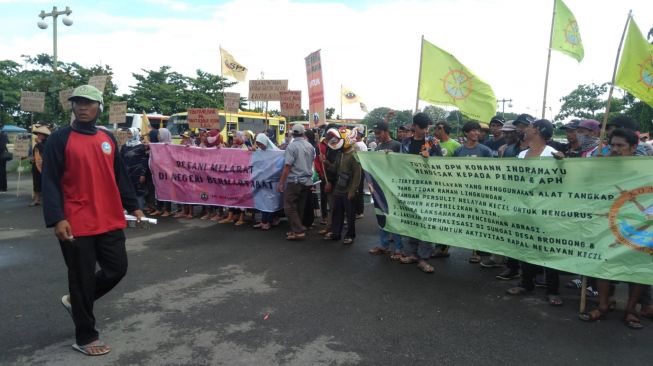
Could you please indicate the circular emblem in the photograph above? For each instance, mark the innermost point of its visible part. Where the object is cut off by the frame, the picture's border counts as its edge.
(204, 196)
(282, 127)
(458, 84)
(106, 148)
(631, 219)
(350, 96)
(572, 34)
(646, 72)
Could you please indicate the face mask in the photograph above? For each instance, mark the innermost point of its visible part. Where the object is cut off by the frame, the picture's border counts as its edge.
(212, 139)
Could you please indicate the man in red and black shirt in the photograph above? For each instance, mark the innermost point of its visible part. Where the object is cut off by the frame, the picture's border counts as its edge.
(85, 187)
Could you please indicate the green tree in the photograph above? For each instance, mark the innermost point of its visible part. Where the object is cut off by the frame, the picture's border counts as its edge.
(436, 113)
(584, 102)
(328, 113)
(205, 90)
(160, 91)
(38, 75)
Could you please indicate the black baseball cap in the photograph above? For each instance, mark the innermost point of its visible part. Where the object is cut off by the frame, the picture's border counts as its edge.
(381, 126)
(572, 125)
(545, 127)
(405, 128)
(497, 119)
(524, 118)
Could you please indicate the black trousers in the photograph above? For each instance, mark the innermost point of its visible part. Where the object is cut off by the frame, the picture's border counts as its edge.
(85, 285)
(343, 207)
(528, 273)
(3, 175)
(323, 200)
(360, 197)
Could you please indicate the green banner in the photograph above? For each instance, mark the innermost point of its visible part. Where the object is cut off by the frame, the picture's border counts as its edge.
(588, 216)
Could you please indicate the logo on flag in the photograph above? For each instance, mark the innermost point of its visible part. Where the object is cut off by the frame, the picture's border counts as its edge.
(572, 34)
(231, 67)
(566, 34)
(646, 72)
(458, 84)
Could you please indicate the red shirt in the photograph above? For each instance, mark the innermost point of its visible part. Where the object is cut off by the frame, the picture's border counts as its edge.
(91, 198)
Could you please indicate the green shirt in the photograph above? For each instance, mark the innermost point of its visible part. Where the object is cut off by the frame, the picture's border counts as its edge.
(449, 146)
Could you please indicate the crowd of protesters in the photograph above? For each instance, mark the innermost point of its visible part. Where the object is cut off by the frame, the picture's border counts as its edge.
(321, 181)
(321, 178)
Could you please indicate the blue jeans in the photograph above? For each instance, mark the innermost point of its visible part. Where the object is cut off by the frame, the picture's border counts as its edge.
(141, 202)
(420, 249)
(267, 217)
(385, 237)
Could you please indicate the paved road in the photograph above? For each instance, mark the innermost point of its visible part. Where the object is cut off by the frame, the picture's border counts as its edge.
(206, 294)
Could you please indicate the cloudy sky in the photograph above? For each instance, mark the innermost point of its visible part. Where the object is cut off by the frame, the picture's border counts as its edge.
(372, 47)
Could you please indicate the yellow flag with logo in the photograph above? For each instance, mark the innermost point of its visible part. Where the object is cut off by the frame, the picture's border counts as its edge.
(444, 80)
(566, 36)
(231, 67)
(348, 96)
(635, 72)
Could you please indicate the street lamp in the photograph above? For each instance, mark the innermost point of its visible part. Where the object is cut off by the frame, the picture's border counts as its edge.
(44, 25)
(503, 105)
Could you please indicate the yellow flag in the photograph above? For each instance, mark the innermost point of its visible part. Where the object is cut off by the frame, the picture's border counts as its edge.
(444, 80)
(231, 67)
(145, 125)
(347, 96)
(635, 72)
(566, 36)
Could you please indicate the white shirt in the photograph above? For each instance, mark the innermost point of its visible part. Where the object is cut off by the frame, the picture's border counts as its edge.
(360, 146)
(546, 153)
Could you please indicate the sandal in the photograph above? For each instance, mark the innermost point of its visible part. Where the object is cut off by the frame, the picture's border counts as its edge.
(296, 236)
(155, 213)
(165, 214)
(474, 259)
(425, 267)
(324, 231)
(632, 321)
(554, 300)
(396, 256)
(409, 259)
(266, 227)
(517, 291)
(348, 241)
(378, 250)
(258, 226)
(592, 316)
(96, 348)
(65, 301)
(240, 222)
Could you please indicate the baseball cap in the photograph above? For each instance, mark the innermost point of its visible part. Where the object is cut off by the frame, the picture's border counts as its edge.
(572, 125)
(524, 118)
(508, 126)
(405, 128)
(298, 129)
(497, 119)
(422, 120)
(590, 124)
(87, 92)
(545, 127)
(381, 126)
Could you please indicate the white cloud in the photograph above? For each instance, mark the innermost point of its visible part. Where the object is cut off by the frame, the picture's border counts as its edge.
(172, 4)
(374, 50)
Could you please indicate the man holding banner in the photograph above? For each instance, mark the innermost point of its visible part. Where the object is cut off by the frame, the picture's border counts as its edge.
(297, 173)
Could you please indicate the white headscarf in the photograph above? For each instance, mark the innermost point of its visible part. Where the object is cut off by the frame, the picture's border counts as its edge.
(135, 138)
(262, 138)
(164, 135)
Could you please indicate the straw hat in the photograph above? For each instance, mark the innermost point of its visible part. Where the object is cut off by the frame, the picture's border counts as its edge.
(41, 129)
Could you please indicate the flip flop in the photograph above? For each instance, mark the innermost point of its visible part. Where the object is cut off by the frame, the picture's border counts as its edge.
(96, 348)
(66, 304)
(296, 236)
(425, 267)
(554, 300)
(634, 324)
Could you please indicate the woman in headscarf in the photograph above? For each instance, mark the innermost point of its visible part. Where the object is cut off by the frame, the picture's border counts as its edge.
(42, 133)
(263, 143)
(135, 158)
(164, 208)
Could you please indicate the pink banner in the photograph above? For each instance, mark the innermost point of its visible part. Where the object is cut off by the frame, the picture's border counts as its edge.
(207, 176)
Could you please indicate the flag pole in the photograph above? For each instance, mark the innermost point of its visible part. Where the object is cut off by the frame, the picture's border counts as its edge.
(341, 117)
(419, 73)
(614, 75)
(548, 61)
